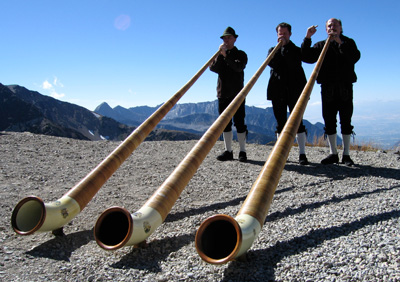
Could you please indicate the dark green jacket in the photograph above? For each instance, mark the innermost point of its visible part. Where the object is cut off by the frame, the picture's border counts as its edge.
(230, 72)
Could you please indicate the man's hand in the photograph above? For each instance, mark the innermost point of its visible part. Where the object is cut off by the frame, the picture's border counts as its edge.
(311, 31)
(283, 39)
(223, 49)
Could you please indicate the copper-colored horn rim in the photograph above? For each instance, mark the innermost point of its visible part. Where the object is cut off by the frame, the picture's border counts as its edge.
(99, 232)
(203, 229)
(17, 209)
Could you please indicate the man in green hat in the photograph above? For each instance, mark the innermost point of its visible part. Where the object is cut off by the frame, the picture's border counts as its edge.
(229, 66)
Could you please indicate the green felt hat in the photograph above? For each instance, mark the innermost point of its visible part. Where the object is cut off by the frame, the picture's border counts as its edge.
(229, 31)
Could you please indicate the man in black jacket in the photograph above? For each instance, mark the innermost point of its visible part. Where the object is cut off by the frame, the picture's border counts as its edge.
(230, 65)
(336, 77)
(286, 83)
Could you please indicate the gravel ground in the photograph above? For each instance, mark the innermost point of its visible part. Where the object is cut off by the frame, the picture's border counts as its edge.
(326, 223)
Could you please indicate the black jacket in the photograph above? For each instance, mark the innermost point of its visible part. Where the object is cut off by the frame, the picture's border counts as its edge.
(338, 64)
(230, 72)
(287, 74)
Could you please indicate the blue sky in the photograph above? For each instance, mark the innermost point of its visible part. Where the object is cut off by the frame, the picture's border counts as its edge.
(134, 53)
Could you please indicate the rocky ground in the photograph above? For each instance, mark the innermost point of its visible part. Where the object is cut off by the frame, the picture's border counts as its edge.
(326, 223)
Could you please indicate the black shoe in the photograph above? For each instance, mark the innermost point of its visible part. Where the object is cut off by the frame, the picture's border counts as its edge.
(303, 159)
(347, 160)
(225, 156)
(242, 156)
(331, 159)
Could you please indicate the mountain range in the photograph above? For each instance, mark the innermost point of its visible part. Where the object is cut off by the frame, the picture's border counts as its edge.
(25, 110)
(198, 117)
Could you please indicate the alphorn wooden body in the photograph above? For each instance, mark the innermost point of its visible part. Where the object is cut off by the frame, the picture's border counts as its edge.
(31, 214)
(116, 228)
(222, 238)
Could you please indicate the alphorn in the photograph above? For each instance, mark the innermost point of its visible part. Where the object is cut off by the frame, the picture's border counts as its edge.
(116, 227)
(221, 238)
(31, 214)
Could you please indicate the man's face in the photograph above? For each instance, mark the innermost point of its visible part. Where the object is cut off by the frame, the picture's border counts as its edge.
(333, 27)
(284, 32)
(229, 41)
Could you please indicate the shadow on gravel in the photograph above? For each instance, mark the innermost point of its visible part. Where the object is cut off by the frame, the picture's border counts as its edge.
(261, 264)
(292, 211)
(260, 163)
(61, 248)
(148, 257)
(213, 207)
(339, 172)
(201, 210)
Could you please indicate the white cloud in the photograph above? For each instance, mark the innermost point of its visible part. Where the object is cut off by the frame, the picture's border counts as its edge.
(46, 85)
(56, 95)
(57, 83)
(51, 88)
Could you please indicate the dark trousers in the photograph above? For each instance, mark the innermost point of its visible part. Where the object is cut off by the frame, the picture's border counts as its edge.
(337, 98)
(280, 112)
(238, 118)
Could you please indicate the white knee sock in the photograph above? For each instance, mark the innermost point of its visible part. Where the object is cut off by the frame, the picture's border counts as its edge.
(301, 141)
(332, 143)
(346, 144)
(228, 140)
(242, 141)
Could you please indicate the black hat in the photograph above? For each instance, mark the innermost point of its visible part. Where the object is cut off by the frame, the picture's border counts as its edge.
(229, 31)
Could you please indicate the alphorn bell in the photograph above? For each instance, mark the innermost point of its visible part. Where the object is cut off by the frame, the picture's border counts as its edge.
(31, 214)
(221, 238)
(116, 227)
